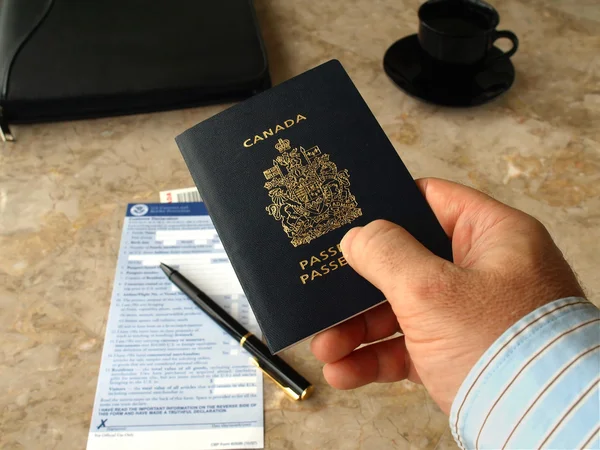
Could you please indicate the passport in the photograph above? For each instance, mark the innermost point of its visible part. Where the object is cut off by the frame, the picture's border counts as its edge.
(284, 175)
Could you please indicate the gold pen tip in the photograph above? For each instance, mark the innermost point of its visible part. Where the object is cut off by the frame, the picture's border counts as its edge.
(307, 392)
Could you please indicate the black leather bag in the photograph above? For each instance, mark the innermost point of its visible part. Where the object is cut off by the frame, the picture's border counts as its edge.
(70, 59)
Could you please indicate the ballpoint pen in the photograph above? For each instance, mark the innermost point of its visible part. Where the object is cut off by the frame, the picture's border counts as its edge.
(292, 383)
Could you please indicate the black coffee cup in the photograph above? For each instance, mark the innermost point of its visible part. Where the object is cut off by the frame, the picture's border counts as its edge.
(460, 31)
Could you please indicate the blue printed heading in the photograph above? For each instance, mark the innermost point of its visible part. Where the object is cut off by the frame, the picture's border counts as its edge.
(166, 209)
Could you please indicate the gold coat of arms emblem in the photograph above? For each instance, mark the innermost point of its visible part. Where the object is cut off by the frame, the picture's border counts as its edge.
(309, 195)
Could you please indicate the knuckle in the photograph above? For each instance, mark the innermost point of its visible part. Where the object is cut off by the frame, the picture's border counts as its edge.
(533, 227)
(537, 227)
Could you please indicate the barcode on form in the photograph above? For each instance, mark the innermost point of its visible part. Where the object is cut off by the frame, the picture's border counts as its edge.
(180, 196)
(192, 196)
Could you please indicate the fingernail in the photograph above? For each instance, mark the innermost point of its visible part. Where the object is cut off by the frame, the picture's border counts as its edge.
(347, 240)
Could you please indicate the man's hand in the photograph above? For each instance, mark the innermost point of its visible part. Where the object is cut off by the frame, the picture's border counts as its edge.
(505, 266)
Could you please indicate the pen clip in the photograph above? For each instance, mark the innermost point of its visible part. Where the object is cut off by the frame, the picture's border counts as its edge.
(285, 389)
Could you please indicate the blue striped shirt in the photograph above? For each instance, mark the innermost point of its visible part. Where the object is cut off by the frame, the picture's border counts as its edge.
(537, 386)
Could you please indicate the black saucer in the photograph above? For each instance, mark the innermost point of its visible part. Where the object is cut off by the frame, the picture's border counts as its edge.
(420, 76)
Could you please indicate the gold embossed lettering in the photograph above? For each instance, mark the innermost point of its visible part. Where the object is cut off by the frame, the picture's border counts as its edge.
(287, 123)
(313, 267)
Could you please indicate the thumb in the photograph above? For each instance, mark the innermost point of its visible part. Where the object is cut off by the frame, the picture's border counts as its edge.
(390, 258)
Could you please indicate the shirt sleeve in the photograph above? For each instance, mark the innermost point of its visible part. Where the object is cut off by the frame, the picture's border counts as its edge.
(537, 386)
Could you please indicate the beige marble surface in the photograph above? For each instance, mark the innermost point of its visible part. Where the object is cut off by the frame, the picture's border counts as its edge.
(64, 186)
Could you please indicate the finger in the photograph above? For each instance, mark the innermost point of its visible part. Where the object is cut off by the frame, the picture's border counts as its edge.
(380, 322)
(387, 255)
(381, 362)
(337, 342)
(452, 201)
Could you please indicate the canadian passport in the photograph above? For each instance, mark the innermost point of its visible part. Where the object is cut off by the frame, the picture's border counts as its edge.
(284, 175)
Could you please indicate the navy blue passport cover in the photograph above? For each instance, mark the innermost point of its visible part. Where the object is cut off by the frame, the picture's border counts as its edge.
(284, 176)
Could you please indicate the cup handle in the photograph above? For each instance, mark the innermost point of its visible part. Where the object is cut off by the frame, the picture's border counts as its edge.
(508, 35)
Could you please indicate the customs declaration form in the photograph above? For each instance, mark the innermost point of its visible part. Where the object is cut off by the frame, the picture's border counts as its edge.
(170, 378)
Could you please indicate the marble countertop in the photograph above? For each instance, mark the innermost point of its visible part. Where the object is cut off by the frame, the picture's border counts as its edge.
(64, 187)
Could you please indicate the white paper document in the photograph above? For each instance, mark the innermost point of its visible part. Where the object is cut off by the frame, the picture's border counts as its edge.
(170, 378)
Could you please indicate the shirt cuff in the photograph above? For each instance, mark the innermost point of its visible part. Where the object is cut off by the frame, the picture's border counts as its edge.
(537, 385)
